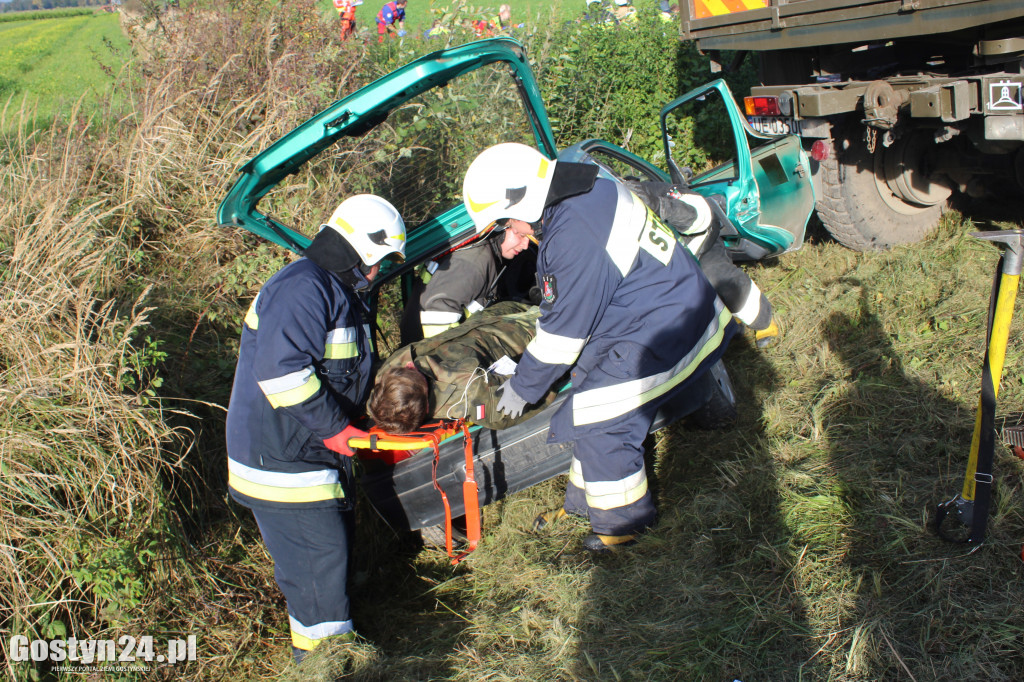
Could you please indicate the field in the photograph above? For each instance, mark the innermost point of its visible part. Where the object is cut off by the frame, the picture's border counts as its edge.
(792, 546)
(46, 65)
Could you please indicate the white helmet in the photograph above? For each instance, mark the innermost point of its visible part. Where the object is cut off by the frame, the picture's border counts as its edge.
(508, 180)
(371, 225)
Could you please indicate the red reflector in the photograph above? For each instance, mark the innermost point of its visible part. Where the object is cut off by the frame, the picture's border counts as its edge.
(821, 150)
(761, 106)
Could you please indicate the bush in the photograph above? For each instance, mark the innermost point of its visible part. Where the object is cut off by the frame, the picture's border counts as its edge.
(610, 82)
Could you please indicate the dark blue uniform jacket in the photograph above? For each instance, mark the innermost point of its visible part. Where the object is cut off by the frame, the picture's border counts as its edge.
(303, 371)
(625, 303)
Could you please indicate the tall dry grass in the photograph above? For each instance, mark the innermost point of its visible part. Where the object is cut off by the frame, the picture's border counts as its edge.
(111, 272)
(82, 445)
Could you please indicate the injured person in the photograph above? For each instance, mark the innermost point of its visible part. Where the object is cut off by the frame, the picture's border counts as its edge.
(456, 374)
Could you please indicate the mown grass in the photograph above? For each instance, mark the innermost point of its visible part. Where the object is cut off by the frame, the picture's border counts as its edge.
(791, 546)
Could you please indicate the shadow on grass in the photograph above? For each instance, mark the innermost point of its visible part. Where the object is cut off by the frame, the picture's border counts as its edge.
(710, 593)
(918, 608)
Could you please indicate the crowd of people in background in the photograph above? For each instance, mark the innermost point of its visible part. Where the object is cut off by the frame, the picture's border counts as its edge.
(390, 19)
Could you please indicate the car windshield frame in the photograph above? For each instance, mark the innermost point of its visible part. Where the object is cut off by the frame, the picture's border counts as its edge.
(362, 111)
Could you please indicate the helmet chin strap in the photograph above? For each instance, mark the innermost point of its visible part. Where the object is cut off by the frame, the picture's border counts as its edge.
(495, 239)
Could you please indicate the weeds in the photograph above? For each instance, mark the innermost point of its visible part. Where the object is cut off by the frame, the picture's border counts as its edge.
(793, 546)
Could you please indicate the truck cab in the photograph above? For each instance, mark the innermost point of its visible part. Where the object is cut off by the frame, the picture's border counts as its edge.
(902, 106)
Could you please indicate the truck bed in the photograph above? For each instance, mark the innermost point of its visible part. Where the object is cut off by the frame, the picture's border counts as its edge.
(786, 24)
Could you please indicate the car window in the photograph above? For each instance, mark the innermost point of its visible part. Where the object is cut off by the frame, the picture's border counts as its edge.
(622, 167)
(415, 158)
(701, 139)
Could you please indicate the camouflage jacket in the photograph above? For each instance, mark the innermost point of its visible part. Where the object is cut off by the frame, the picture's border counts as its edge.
(455, 363)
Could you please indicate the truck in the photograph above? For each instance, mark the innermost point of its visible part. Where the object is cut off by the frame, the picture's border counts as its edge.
(901, 105)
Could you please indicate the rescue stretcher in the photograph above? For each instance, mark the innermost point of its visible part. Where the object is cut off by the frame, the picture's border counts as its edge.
(413, 487)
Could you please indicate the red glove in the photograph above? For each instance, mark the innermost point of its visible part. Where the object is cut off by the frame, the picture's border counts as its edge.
(339, 441)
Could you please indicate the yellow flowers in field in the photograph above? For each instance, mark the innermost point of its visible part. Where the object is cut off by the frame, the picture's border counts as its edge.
(24, 45)
(50, 63)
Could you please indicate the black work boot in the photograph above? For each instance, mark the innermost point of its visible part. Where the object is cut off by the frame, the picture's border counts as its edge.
(605, 544)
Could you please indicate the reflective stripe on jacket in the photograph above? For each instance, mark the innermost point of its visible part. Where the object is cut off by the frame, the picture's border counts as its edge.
(461, 285)
(303, 370)
(627, 305)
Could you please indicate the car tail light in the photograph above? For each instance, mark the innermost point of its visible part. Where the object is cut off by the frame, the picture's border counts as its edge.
(762, 106)
(821, 150)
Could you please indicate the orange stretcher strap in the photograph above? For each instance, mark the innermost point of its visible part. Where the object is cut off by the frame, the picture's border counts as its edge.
(430, 436)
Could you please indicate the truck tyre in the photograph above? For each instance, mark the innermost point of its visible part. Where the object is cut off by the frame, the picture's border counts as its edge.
(861, 204)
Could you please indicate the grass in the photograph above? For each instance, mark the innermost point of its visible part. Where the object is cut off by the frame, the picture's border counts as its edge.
(47, 64)
(791, 546)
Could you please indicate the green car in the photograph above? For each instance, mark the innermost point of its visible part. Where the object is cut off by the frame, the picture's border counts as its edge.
(408, 137)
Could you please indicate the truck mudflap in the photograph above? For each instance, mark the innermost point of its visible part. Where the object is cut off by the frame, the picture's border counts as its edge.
(505, 462)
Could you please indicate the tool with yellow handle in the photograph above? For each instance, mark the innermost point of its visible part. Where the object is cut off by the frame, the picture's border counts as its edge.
(971, 506)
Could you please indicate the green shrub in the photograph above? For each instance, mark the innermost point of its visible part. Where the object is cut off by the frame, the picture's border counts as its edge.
(610, 82)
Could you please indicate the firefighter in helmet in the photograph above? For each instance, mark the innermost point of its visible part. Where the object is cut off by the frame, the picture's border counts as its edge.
(303, 374)
(625, 309)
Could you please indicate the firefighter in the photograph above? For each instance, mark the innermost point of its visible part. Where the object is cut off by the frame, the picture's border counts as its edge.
(303, 373)
(462, 283)
(391, 13)
(698, 227)
(625, 309)
(347, 16)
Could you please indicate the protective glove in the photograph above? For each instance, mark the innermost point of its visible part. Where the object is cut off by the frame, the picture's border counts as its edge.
(339, 441)
(511, 403)
(401, 33)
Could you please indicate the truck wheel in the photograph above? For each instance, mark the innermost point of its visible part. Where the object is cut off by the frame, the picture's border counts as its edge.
(876, 201)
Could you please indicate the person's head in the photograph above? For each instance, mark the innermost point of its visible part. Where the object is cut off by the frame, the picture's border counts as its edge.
(505, 13)
(508, 180)
(401, 3)
(372, 227)
(515, 237)
(398, 402)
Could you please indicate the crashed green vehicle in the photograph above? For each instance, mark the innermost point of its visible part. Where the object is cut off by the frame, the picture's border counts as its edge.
(408, 137)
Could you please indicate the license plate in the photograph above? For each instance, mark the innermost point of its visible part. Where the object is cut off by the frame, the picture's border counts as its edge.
(774, 125)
